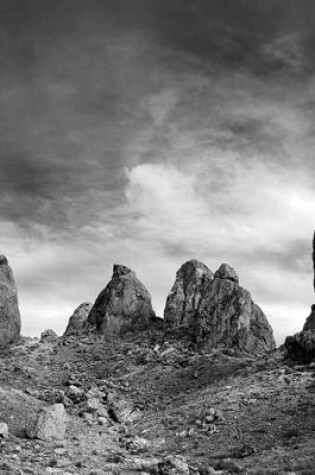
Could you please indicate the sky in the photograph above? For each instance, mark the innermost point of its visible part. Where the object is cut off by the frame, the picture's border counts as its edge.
(150, 132)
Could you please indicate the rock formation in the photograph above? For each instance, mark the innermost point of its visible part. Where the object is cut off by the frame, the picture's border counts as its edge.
(124, 304)
(10, 322)
(216, 311)
(229, 318)
(78, 319)
(183, 301)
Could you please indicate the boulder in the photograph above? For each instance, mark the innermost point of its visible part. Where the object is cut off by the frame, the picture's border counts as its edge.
(216, 310)
(183, 301)
(124, 304)
(78, 319)
(10, 321)
(18, 410)
(48, 336)
(50, 424)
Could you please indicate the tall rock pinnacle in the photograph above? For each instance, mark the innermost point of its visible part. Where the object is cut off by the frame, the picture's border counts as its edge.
(10, 322)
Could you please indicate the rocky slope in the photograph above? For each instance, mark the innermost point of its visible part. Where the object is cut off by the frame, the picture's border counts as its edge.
(10, 322)
(151, 406)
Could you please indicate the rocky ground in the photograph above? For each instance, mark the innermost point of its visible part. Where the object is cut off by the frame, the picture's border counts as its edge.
(152, 405)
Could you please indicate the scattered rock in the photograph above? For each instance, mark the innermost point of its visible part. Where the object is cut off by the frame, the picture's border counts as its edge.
(48, 336)
(124, 304)
(10, 320)
(78, 320)
(50, 424)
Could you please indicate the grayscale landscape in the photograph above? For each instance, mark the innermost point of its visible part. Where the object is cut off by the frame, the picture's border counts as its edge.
(157, 245)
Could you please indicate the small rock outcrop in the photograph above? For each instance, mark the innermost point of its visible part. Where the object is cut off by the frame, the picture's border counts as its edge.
(217, 311)
(183, 301)
(124, 304)
(310, 321)
(78, 320)
(10, 321)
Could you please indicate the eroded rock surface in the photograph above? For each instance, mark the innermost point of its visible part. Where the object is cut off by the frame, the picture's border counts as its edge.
(78, 319)
(216, 310)
(124, 304)
(182, 304)
(10, 321)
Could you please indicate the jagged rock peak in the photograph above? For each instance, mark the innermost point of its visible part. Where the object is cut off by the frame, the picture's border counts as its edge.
(183, 301)
(10, 320)
(124, 304)
(310, 321)
(120, 270)
(227, 272)
(3, 260)
(78, 319)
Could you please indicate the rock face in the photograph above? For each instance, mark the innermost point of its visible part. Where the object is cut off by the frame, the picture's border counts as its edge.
(124, 304)
(10, 321)
(310, 321)
(301, 346)
(216, 310)
(229, 318)
(78, 319)
(183, 301)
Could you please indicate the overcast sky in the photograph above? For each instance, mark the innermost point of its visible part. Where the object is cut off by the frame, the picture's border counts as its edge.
(150, 132)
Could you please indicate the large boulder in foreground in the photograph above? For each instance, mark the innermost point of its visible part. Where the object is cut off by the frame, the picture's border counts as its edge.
(78, 320)
(216, 310)
(183, 301)
(51, 423)
(10, 321)
(124, 304)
